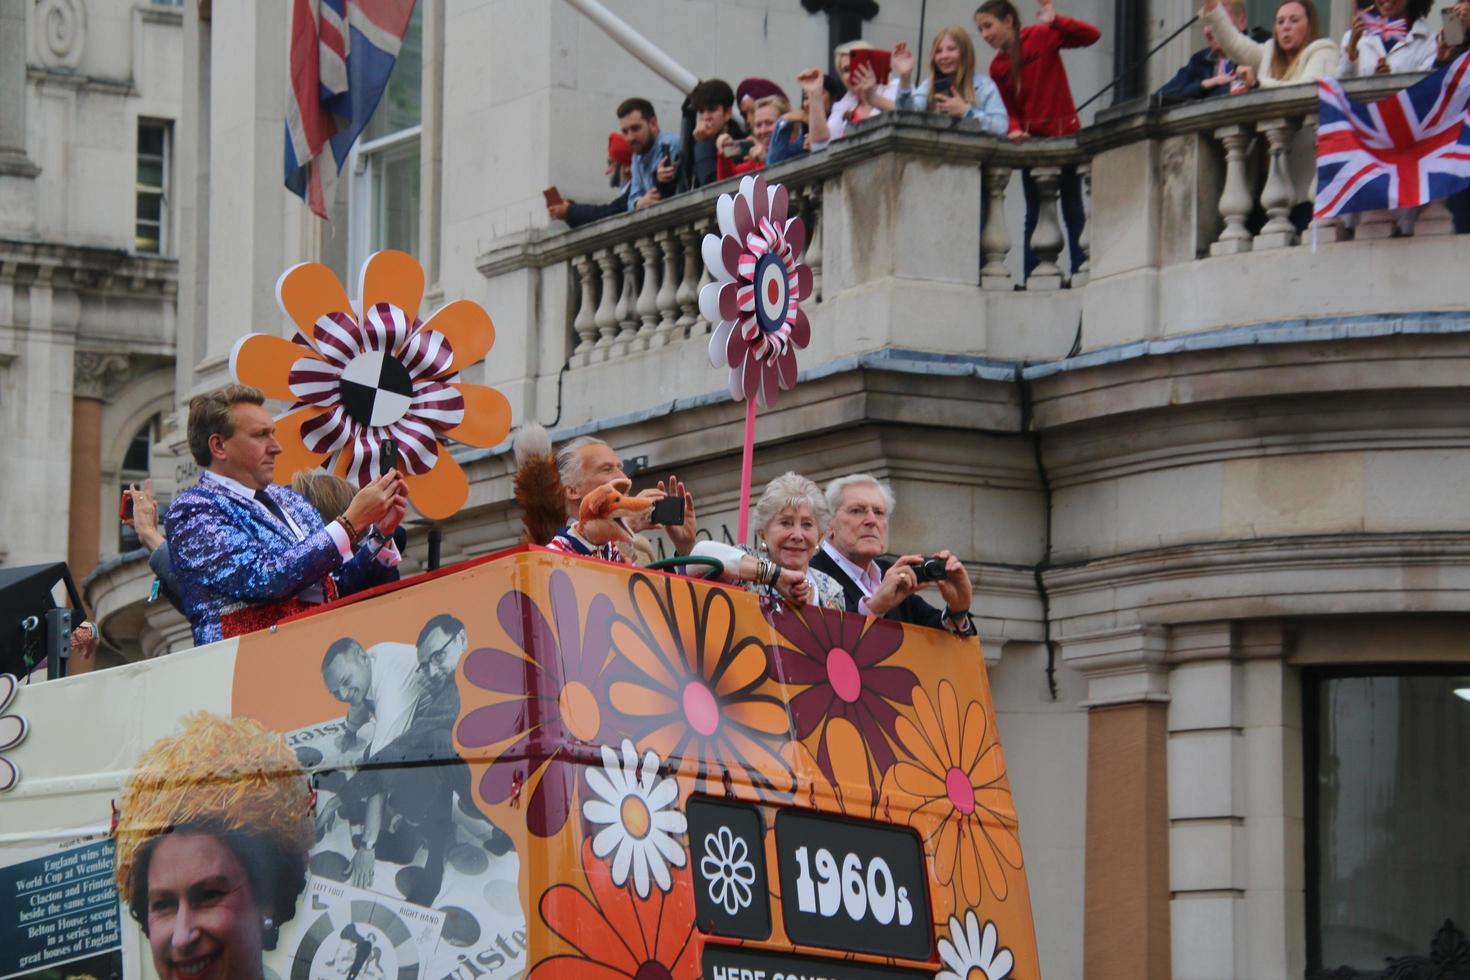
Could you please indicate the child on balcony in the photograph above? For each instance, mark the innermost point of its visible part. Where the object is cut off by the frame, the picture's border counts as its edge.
(952, 87)
(1033, 82)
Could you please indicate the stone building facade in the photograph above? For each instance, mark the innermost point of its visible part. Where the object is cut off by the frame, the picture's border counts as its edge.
(1205, 484)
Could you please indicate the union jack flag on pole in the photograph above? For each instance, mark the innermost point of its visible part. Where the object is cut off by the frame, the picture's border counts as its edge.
(342, 52)
(1402, 151)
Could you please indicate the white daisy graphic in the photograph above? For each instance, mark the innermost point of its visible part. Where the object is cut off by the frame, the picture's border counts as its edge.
(13, 730)
(726, 866)
(968, 949)
(639, 816)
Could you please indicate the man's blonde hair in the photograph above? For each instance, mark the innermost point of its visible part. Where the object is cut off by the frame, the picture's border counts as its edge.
(1236, 8)
(212, 413)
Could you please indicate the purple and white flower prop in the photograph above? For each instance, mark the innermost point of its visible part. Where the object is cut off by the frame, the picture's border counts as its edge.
(759, 283)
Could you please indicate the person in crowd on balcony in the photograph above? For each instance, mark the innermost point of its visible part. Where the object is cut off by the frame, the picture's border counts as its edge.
(747, 156)
(1033, 82)
(143, 519)
(619, 172)
(1209, 71)
(1388, 36)
(953, 86)
(1457, 203)
(790, 518)
(246, 553)
(647, 148)
(332, 495)
(794, 131)
(708, 112)
(751, 91)
(865, 98)
(550, 487)
(861, 506)
(212, 867)
(1296, 53)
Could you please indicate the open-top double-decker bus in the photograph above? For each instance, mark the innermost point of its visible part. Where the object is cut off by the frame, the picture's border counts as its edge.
(528, 764)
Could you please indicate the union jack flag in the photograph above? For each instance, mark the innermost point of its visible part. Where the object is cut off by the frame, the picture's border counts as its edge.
(1395, 29)
(342, 52)
(1400, 152)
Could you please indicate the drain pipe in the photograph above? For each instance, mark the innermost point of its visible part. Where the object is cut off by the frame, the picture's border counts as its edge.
(1038, 571)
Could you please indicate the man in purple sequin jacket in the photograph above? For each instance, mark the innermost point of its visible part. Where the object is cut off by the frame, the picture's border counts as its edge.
(248, 553)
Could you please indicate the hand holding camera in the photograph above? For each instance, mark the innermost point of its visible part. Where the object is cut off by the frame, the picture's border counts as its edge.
(912, 573)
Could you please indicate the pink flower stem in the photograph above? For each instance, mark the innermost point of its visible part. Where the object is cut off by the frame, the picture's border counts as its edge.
(746, 460)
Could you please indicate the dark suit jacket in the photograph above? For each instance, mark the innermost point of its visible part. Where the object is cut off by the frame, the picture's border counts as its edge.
(912, 610)
(582, 214)
(1185, 84)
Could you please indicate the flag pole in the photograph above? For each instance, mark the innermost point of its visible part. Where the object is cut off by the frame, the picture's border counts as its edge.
(637, 45)
(747, 460)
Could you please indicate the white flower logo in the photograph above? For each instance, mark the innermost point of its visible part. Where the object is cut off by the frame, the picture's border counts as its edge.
(638, 812)
(968, 949)
(12, 732)
(727, 868)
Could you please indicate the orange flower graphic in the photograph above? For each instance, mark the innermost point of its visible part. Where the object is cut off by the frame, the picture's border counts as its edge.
(964, 812)
(693, 691)
(619, 935)
(355, 380)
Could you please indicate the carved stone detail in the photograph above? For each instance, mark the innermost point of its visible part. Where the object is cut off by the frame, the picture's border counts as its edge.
(98, 375)
(62, 25)
(1448, 959)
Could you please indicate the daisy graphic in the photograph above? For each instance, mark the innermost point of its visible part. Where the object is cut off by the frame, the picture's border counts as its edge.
(357, 378)
(726, 867)
(13, 730)
(638, 813)
(755, 298)
(964, 812)
(968, 949)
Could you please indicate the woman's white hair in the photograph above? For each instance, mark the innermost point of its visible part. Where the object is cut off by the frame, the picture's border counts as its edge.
(839, 486)
(791, 490)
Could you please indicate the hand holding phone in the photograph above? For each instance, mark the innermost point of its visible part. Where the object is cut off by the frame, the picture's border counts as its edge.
(387, 456)
(667, 511)
(877, 59)
(553, 196)
(125, 507)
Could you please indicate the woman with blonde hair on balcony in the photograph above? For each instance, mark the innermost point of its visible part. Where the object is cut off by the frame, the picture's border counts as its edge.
(764, 115)
(953, 86)
(1296, 53)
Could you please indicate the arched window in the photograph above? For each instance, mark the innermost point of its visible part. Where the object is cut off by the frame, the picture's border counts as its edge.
(136, 465)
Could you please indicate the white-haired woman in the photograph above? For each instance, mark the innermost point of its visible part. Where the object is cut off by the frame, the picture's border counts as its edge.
(790, 518)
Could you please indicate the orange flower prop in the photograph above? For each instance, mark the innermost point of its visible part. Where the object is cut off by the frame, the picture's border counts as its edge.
(356, 380)
(958, 774)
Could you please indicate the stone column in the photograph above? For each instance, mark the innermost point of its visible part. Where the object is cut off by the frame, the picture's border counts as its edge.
(93, 374)
(1126, 894)
(13, 159)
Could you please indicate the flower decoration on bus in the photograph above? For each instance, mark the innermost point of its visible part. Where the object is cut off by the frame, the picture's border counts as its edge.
(965, 811)
(617, 934)
(13, 729)
(843, 659)
(695, 691)
(727, 869)
(639, 817)
(759, 283)
(549, 689)
(356, 379)
(972, 953)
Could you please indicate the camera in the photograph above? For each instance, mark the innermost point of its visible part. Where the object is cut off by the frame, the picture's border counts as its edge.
(930, 570)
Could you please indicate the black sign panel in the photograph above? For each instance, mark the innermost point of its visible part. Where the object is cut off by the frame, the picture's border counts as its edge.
(733, 963)
(852, 885)
(728, 853)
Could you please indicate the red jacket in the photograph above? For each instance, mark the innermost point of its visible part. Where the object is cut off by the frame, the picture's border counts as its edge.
(1043, 106)
(725, 167)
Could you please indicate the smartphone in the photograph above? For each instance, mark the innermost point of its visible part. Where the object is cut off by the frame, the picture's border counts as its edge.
(668, 511)
(387, 456)
(1454, 28)
(125, 507)
(942, 86)
(878, 58)
(553, 196)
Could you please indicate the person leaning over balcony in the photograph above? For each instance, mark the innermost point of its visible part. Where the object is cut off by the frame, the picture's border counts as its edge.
(1209, 71)
(619, 168)
(790, 518)
(953, 87)
(708, 112)
(1033, 82)
(794, 131)
(767, 112)
(749, 93)
(246, 553)
(1366, 51)
(1296, 53)
(865, 98)
(858, 534)
(1459, 202)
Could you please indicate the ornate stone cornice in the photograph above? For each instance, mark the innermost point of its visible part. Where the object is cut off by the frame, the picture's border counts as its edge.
(97, 374)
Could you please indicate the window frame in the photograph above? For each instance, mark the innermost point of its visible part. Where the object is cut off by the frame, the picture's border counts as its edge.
(165, 201)
(1312, 679)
